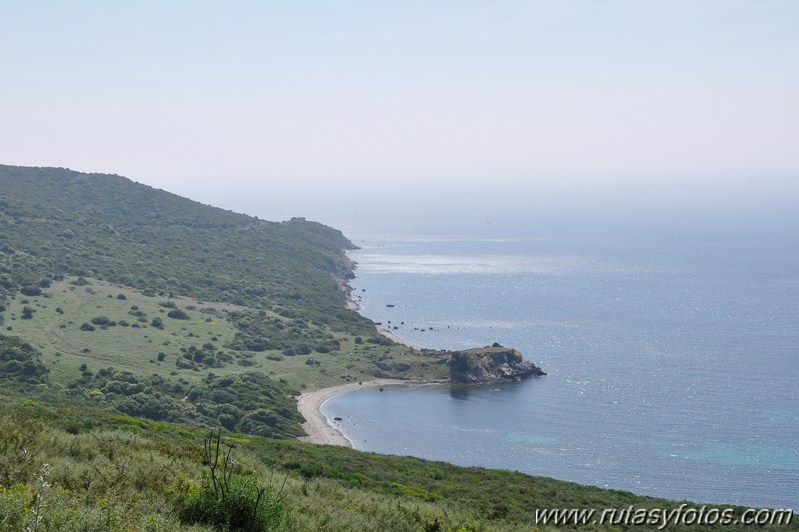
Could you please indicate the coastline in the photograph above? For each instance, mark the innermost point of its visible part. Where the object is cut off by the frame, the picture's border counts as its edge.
(391, 336)
(319, 429)
(317, 426)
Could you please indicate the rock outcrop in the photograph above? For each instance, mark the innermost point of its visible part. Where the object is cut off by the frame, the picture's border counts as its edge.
(490, 364)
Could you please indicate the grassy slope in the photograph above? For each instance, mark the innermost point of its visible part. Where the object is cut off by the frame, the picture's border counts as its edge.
(133, 478)
(135, 347)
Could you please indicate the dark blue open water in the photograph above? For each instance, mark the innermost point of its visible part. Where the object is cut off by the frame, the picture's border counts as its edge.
(671, 343)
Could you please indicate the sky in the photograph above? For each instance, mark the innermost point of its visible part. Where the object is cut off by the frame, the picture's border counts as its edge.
(239, 102)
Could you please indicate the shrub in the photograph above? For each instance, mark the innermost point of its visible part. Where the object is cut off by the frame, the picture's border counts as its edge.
(100, 320)
(31, 291)
(229, 501)
(178, 315)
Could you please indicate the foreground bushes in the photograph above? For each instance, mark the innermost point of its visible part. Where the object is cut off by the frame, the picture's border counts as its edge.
(244, 505)
(160, 479)
(54, 481)
(116, 481)
(231, 501)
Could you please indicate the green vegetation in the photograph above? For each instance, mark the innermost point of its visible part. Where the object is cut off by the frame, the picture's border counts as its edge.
(135, 322)
(179, 311)
(20, 361)
(231, 501)
(196, 370)
(56, 223)
(124, 473)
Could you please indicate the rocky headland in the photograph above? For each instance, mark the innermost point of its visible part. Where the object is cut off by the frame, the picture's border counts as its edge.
(490, 364)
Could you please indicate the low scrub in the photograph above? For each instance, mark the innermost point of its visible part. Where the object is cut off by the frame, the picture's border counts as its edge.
(231, 501)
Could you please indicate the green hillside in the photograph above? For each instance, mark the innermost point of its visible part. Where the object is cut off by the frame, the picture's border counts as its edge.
(134, 323)
(160, 307)
(56, 222)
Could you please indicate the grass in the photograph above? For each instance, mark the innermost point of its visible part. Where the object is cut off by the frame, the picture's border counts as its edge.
(113, 478)
(65, 347)
(135, 348)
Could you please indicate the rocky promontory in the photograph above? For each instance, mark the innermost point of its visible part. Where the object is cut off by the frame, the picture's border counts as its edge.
(490, 364)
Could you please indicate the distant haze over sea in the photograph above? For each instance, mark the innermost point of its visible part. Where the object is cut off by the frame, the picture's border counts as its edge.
(667, 324)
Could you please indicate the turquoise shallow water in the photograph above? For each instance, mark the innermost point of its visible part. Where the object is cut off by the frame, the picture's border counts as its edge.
(672, 354)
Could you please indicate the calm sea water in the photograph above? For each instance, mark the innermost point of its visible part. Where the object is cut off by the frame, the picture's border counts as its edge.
(671, 343)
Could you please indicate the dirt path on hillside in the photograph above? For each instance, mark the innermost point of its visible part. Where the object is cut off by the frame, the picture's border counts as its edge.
(55, 338)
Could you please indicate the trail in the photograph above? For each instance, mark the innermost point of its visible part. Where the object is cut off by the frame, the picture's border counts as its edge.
(58, 340)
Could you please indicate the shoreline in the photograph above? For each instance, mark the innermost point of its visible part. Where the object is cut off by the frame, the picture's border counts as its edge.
(318, 428)
(391, 336)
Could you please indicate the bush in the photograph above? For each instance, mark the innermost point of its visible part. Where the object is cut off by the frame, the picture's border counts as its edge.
(230, 501)
(178, 315)
(31, 291)
(100, 320)
(244, 505)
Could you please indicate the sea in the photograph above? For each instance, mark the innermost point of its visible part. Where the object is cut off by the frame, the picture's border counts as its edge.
(668, 325)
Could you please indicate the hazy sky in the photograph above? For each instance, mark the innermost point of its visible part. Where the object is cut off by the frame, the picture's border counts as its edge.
(229, 98)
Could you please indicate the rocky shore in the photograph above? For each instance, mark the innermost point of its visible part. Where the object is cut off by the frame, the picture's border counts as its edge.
(490, 364)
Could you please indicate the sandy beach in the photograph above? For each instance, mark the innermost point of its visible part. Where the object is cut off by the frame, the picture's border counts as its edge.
(316, 424)
(319, 430)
